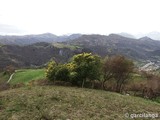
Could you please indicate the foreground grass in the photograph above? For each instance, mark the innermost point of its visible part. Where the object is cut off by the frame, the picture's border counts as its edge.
(53, 102)
(26, 75)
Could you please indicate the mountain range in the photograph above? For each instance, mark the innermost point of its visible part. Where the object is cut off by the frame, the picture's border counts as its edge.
(31, 39)
(137, 49)
(153, 35)
(39, 49)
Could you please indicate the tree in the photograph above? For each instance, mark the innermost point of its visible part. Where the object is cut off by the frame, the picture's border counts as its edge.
(87, 66)
(121, 69)
(107, 71)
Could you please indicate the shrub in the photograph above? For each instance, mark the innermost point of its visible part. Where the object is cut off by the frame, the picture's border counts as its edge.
(51, 70)
(62, 73)
(86, 67)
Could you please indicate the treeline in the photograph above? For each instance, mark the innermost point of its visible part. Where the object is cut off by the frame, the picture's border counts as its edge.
(88, 70)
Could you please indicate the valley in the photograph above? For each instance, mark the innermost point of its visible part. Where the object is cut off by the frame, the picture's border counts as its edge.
(39, 53)
(27, 93)
(79, 60)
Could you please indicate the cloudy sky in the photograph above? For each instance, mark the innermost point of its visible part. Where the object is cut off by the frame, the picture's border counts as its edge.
(79, 16)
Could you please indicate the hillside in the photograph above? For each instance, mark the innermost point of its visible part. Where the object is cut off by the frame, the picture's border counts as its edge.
(136, 49)
(31, 39)
(127, 35)
(54, 102)
(32, 55)
(37, 54)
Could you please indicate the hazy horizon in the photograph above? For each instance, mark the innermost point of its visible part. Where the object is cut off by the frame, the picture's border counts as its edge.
(23, 17)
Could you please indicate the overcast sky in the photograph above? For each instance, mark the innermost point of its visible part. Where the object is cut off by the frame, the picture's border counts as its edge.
(79, 16)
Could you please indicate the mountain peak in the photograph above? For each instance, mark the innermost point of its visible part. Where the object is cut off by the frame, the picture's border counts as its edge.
(116, 36)
(153, 35)
(127, 35)
(145, 38)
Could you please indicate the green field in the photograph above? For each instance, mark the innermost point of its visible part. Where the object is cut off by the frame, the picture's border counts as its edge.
(26, 75)
(69, 103)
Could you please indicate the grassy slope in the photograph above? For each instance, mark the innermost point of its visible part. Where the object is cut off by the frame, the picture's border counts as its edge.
(24, 76)
(61, 45)
(52, 102)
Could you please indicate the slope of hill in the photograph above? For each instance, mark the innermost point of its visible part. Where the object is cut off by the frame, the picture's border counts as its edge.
(47, 103)
(31, 39)
(37, 54)
(137, 49)
(32, 55)
(127, 35)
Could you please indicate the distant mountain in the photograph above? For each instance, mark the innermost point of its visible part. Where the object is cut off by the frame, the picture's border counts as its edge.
(137, 49)
(127, 35)
(37, 54)
(31, 39)
(32, 55)
(153, 35)
(145, 38)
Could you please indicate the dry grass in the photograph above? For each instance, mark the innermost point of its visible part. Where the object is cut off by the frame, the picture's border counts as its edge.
(62, 103)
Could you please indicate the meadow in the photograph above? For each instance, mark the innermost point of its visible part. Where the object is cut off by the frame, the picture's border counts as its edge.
(70, 103)
(27, 75)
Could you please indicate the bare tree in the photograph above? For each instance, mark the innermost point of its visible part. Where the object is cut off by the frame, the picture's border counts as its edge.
(119, 68)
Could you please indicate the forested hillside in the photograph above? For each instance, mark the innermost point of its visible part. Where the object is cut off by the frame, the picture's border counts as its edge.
(37, 54)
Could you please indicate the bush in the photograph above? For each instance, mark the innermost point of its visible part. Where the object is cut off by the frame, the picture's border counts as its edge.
(83, 67)
(51, 70)
(62, 73)
(59, 72)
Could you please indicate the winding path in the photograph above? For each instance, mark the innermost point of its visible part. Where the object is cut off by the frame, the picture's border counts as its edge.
(10, 78)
